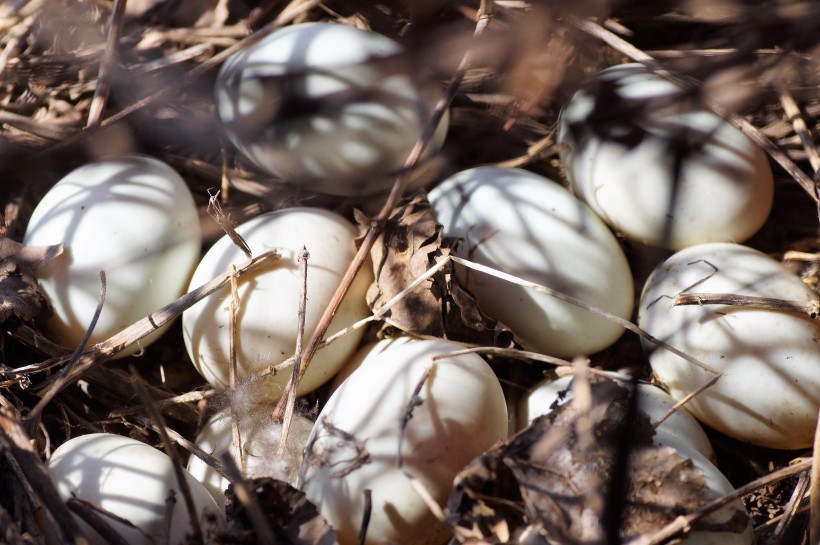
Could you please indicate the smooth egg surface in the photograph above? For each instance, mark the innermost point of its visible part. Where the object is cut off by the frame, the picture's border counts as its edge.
(658, 166)
(267, 325)
(328, 106)
(769, 390)
(460, 413)
(131, 480)
(531, 227)
(130, 216)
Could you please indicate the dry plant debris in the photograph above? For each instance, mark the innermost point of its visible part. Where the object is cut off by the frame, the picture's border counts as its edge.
(758, 61)
(553, 481)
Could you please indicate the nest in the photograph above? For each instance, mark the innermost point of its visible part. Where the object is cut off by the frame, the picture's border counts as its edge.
(80, 79)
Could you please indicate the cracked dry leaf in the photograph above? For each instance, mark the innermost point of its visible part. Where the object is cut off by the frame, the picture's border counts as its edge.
(20, 295)
(409, 245)
(406, 248)
(292, 518)
(559, 471)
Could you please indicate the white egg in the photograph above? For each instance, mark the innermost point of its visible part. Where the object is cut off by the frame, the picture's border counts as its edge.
(680, 431)
(133, 481)
(624, 130)
(132, 217)
(355, 443)
(366, 353)
(267, 325)
(769, 393)
(260, 437)
(329, 106)
(531, 227)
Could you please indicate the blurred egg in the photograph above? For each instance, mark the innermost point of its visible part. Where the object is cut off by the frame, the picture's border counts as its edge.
(133, 481)
(769, 393)
(260, 437)
(529, 226)
(267, 325)
(328, 106)
(627, 129)
(355, 443)
(130, 216)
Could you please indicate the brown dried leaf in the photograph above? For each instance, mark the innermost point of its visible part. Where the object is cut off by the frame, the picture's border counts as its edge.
(410, 244)
(558, 478)
(406, 248)
(290, 515)
(20, 296)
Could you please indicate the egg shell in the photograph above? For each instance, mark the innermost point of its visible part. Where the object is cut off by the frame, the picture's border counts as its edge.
(680, 431)
(329, 106)
(134, 218)
(269, 300)
(462, 413)
(769, 393)
(131, 480)
(260, 437)
(528, 226)
(366, 353)
(623, 131)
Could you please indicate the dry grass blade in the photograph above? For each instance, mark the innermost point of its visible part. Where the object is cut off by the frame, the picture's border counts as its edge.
(107, 349)
(179, 471)
(796, 119)
(233, 333)
(62, 378)
(298, 358)
(626, 324)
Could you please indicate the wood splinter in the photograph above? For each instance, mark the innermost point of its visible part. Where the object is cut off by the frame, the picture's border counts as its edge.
(810, 308)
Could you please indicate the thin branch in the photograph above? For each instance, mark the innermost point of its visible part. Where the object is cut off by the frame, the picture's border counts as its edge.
(626, 324)
(62, 380)
(224, 222)
(109, 348)
(233, 313)
(809, 308)
(368, 508)
(298, 358)
(108, 64)
(793, 115)
(179, 471)
(414, 401)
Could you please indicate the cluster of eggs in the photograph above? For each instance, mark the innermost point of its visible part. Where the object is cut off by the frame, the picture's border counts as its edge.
(341, 120)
